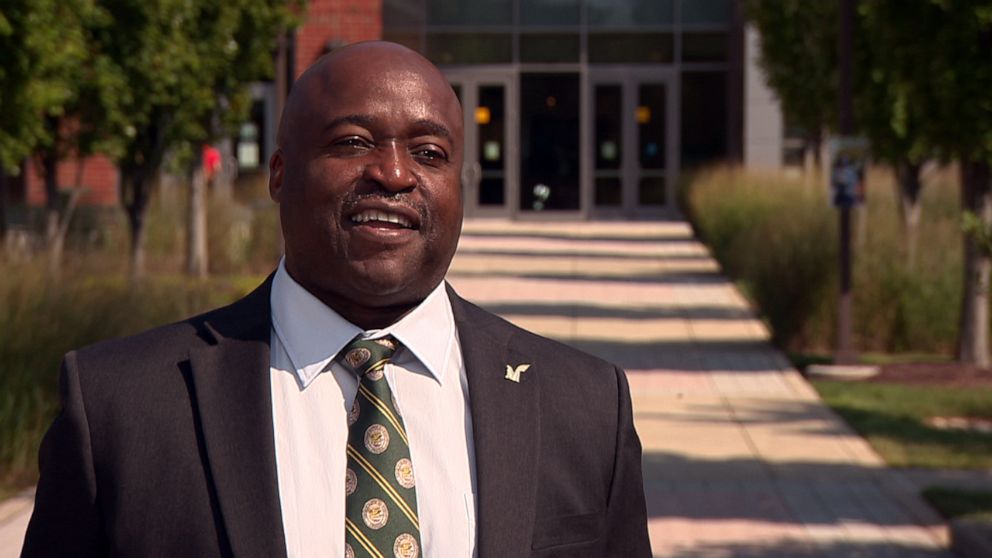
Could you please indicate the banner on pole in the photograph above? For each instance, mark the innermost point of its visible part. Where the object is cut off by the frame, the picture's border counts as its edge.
(848, 159)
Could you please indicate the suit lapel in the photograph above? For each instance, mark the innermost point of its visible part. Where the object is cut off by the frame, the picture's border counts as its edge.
(233, 400)
(505, 429)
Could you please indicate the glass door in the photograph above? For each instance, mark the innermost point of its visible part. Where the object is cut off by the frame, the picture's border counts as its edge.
(490, 161)
(549, 142)
(633, 149)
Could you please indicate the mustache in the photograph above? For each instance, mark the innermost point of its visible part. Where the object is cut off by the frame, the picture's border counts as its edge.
(392, 199)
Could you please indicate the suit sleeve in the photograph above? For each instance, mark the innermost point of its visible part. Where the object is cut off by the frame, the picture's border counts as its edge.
(626, 515)
(66, 519)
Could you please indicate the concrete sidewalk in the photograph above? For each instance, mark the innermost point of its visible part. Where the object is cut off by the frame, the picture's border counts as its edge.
(741, 459)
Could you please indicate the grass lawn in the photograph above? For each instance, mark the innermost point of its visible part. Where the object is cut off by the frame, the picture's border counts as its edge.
(952, 503)
(892, 418)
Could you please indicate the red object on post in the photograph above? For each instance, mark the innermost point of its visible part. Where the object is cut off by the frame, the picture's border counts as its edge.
(211, 161)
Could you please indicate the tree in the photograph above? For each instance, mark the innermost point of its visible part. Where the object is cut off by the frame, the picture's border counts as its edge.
(45, 50)
(940, 56)
(799, 57)
(173, 56)
(890, 121)
(236, 45)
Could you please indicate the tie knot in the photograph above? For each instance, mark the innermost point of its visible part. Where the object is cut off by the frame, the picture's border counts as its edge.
(364, 355)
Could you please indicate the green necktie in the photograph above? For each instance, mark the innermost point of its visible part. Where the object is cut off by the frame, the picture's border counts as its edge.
(381, 504)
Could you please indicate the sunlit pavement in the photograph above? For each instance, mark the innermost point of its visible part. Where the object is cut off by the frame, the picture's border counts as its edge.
(741, 459)
(14, 515)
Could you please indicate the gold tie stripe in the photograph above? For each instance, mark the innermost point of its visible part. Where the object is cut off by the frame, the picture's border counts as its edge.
(381, 502)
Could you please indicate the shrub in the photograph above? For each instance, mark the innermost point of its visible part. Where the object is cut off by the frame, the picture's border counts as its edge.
(770, 232)
(777, 237)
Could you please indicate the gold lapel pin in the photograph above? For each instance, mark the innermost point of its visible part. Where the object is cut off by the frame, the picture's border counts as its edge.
(513, 374)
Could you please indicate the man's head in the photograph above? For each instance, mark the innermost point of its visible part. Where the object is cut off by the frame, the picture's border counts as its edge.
(367, 178)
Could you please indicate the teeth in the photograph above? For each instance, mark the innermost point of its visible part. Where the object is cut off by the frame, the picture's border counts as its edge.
(377, 215)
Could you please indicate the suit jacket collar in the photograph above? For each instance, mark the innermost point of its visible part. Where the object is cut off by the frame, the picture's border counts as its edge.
(234, 405)
(505, 431)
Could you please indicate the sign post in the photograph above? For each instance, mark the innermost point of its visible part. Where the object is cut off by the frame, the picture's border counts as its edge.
(845, 176)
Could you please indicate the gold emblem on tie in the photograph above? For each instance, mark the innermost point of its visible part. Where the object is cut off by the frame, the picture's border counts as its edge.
(404, 473)
(405, 546)
(377, 438)
(350, 482)
(375, 513)
(357, 357)
(356, 409)
(513, 374)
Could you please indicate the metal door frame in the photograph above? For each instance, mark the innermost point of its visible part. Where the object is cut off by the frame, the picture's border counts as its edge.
(469, 79)
(629, 78)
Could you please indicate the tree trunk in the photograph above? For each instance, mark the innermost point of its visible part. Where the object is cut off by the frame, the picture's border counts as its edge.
(196, 221)
(3, 207)
(134, 188)
(53, 244)
(976, 197)
(909, 186)
(812, 159)
(223, 180)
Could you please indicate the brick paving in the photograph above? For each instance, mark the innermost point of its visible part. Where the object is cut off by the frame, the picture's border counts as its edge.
(741, 458)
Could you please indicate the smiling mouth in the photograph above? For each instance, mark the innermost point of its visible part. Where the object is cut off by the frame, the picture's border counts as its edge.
(380, 218)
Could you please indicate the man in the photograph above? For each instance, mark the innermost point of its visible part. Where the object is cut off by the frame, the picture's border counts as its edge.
(226, 434)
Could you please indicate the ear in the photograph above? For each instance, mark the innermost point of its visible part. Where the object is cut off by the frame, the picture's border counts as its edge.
(276, 166)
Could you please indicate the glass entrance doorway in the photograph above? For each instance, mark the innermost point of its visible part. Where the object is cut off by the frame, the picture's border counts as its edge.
(491, 156)
(633, 144)
(600, 142)
(549, 142)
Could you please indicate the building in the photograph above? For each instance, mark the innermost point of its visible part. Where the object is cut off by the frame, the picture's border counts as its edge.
(573, 108)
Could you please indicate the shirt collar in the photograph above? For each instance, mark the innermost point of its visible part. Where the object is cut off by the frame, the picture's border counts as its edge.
(313, 333)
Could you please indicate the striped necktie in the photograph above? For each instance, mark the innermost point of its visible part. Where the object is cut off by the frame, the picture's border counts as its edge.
(381, 504)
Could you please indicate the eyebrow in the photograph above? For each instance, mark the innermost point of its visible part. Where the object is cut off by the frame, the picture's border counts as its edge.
(427, 125)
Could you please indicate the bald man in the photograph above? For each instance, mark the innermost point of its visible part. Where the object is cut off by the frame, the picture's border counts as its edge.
(226, 434)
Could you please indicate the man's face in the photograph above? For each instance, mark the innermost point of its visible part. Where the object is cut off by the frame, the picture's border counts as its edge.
(367, 178)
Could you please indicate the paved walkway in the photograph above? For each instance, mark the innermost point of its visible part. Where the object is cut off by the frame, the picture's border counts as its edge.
(741, 457)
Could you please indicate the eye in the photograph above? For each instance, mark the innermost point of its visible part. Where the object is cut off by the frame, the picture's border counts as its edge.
(430, 154)
(351, 145)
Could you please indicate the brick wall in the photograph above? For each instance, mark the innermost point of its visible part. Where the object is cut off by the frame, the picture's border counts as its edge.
(99, 176)
(335, 22)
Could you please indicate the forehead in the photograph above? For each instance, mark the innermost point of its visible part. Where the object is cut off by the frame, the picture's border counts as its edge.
(387, 90)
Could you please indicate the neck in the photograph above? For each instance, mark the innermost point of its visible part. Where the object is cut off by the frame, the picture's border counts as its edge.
(368, 318)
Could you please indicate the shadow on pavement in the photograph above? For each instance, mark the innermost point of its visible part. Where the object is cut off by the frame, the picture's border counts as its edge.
(612, 255)
(683, 356)
(591, 311)
(650, 277)
(797, 549)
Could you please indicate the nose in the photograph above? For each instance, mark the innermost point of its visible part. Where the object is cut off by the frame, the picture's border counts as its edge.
(390, 167)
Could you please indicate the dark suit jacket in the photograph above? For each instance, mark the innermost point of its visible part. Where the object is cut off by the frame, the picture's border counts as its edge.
(164, 446)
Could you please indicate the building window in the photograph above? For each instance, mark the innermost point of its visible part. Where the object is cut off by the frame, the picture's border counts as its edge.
(704, 117)
(549, 47)
(476, 12)
(470, 48)
(549, 12)
(630, 48)
(249, 151)
(630, 12)
(706, 11)
(704, 47)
